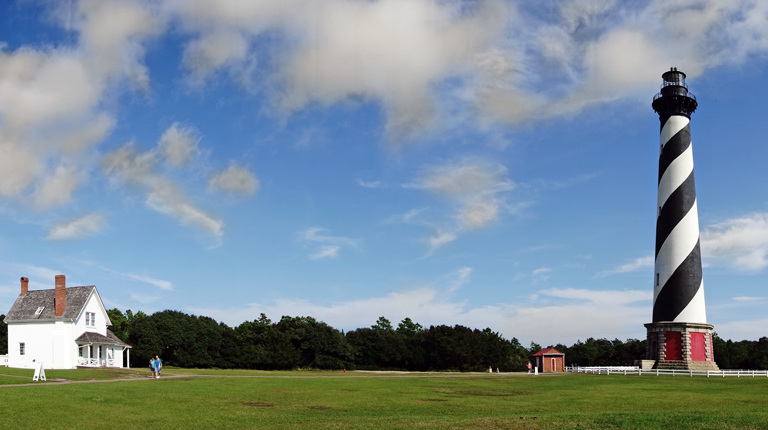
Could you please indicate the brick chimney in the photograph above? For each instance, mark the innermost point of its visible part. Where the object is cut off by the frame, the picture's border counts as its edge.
(24, 285)
(60, 300)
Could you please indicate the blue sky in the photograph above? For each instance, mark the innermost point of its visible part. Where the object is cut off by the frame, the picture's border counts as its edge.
(486, 163)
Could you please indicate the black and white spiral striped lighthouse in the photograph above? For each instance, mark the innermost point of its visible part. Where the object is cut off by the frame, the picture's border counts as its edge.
(679, 336)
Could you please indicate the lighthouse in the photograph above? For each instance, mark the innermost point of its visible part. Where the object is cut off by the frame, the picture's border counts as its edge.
(679, 336)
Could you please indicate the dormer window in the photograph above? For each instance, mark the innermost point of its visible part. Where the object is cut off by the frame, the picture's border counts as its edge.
(39, 310)
(90, 319)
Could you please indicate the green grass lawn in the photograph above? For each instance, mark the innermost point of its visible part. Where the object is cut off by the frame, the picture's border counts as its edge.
(336, 400)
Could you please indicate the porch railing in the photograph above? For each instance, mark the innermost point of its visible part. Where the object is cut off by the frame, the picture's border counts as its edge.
(95, 362)
(4, 360)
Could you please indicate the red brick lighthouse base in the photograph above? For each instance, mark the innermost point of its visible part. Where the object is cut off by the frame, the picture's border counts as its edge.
(679, 345)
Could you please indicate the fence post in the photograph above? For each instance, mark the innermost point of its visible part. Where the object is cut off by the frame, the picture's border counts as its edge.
(707, 373)
(691, 372)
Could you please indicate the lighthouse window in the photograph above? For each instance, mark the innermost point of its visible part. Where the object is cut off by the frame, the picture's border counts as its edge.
(657, 279)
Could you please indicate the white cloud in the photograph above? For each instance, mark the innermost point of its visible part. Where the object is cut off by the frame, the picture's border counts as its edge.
(473, 187)
(739, 242)
(440, 239)
(51, 97)
(633, 266)
(583, 313)
(39, 277)
(464, 180)
(143, 298)
(236, 180)
(325, 252)
(126, 165)
(742, 330)
(214, 50)
(747, 299)
(461, 278)
(87, 225)
(325, 246)
(57, 189)
(179, 144)
(541, 271)
(163, 285)
(374, 184)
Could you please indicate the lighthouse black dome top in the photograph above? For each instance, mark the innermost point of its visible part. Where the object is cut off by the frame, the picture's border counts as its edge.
(674, 97)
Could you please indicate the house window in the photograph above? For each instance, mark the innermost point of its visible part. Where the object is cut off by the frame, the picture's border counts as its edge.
(80, 351)
(39, 310)
(90, 319)
(87, 318)
(21, 348)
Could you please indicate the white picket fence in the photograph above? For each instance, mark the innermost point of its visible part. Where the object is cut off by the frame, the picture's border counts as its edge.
(634, 370)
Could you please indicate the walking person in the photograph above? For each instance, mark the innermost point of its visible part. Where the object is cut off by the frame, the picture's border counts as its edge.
(152, 367)
(158, 366)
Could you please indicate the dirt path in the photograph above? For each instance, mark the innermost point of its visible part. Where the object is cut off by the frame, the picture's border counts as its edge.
(351, 374)
(93, 381)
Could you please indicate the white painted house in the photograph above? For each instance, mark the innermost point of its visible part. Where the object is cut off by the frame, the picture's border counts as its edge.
(63, 328)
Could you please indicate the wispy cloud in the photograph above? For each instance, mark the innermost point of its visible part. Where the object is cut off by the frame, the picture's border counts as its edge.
(87, 225)
(742, 330)
(325, 252)
(127, 165)
(460, 278)
(57, 189)
(633, 266)
(373, 184)
(741, 243)
(440, 239)
(473, 187)
(143, 299)
(326, 246)
(179, 144)
(748, 299)
(236, 180)
(163, 285)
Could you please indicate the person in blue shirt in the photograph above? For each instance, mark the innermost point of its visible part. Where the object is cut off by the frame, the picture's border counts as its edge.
(158, 366)
(152, 367)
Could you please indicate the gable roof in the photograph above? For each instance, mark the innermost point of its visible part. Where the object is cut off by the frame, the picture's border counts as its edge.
(109, 339)
(548, 351)
(26, 306)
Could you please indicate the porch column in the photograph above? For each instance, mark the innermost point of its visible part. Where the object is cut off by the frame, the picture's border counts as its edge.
(128, 363)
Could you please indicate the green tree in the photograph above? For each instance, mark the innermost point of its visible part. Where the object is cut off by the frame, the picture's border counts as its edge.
(120, 324)
(379, 347)
(319, 345)
(263, 346)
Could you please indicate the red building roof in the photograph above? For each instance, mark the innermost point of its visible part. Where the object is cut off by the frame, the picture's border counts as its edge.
(548, 351)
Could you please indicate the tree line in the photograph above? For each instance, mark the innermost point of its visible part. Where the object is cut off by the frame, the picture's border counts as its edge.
(303, 342)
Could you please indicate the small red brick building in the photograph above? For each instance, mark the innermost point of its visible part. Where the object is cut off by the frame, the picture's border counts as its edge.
(549, 360)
